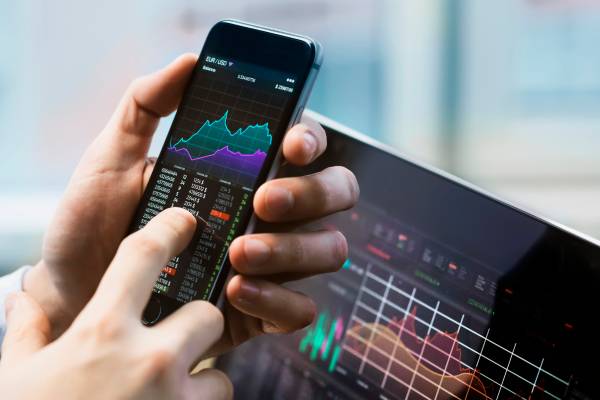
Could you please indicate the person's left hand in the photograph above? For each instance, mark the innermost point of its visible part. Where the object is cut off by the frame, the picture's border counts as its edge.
(99, 203)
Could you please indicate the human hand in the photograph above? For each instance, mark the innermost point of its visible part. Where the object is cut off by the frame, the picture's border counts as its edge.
(107, 186)
(107, 353)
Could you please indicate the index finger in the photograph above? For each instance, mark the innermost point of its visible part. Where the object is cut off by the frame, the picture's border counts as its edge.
(142, 255)
(147, 99)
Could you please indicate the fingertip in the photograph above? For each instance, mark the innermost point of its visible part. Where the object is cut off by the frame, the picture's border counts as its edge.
(273, 200)
(188, 57)
(236, 253)
(233, 288)
(248, 253)
(341, 247)
(185, 60)
(311, 313)
(184, 216)
(353, 183)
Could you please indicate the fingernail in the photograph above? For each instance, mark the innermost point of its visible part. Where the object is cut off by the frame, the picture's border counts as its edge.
(310, 143)
(248, 291)
(279, 200)
(341, 246)
(257, 252)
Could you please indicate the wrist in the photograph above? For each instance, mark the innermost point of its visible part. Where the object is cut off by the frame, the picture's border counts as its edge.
(39, 285)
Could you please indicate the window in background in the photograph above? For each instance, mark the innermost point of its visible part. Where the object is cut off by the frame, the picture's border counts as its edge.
(502, 93)
(529, 104)
(65, 65)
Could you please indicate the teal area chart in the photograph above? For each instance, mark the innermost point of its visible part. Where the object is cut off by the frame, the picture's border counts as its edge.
(214, 149)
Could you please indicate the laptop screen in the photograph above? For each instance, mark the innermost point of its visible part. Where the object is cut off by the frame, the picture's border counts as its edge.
(446, 294)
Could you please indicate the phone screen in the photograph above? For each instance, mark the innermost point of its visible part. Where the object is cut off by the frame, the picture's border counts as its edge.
(224, 137)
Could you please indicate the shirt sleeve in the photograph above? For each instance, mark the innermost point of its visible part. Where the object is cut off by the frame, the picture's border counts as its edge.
(10, 283)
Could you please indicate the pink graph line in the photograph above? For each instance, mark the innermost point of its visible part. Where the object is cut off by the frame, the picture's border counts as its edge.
(258, 153)
(239, 132)
(339, 331)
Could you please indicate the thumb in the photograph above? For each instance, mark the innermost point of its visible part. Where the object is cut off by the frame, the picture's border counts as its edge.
(27, 328)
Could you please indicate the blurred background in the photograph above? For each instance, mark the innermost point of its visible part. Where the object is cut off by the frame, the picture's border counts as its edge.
(505, 94)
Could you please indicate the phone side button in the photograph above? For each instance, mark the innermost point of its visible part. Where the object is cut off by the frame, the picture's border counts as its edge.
(298, 116)
(152, 311)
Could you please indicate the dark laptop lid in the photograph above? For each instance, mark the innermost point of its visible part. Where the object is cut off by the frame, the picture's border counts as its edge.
(448, 293)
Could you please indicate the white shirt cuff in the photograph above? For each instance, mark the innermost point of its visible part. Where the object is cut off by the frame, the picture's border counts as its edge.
(10, 283)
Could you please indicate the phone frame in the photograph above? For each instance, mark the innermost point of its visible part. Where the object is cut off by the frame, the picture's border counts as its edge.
(236, 40)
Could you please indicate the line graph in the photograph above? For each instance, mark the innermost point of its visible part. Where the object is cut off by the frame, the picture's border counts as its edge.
(382, 345)
(235, 156)
(212, 136)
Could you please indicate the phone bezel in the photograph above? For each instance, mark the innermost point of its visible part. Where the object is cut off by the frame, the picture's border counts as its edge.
(297, 55)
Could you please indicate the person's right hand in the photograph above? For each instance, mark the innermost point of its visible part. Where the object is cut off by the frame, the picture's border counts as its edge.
(107, 353)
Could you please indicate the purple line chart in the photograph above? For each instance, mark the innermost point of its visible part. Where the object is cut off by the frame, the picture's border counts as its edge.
(235, 156)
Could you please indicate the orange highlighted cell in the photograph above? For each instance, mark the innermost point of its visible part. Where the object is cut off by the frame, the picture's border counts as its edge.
(169, 271)
(220, 215)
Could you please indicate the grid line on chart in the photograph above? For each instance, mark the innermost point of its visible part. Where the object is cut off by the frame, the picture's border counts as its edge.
(412, 295)
(250, 150)
(399, 362)
(459, 323)
(213, 91)
(260, 117)
(402, 292)
(229, 106)
(479, 353)
(506, 371)
(213, 97)
(537, 375)
(479, 359)
(378, 316)
(270, 104)
(451, 350)
(396, 378)
(383, 352)
(412, 380)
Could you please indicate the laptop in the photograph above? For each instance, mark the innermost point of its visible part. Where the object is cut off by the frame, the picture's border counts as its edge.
(448, 293)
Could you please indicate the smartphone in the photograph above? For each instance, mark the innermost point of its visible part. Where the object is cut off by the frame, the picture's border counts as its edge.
(249, 86)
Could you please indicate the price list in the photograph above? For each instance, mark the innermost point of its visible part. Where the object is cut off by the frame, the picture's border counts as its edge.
(219, 208)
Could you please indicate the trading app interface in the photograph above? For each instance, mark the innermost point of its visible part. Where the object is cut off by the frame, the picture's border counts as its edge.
(412, 316)
(215, 151)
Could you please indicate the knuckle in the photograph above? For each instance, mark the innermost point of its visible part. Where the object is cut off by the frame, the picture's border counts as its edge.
(307, 315)
(214, 317)
(295, 250)
(149, 246)
(102, 329)
(323, 194)
(299, 317)
(159, 363)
